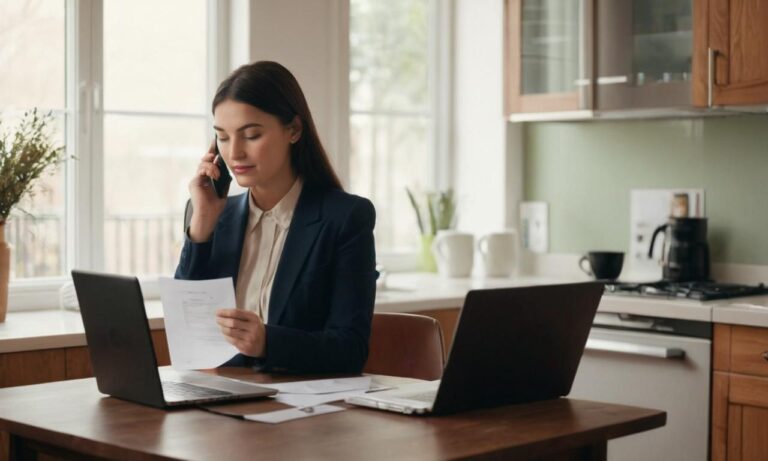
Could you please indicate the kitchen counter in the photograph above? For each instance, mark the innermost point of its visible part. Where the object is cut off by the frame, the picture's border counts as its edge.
(417, 291)
(55, 328)
(749, 311)
(410, 292)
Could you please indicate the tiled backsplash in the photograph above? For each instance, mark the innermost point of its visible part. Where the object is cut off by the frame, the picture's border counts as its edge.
(585, 171)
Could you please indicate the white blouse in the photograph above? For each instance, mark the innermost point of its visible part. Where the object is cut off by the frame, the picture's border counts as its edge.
(262, 246)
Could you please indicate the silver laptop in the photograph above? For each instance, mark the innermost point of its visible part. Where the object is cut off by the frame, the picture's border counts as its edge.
(511, 345)
(123, 356)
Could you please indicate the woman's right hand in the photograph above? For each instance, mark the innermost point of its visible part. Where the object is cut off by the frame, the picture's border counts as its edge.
(206, 205)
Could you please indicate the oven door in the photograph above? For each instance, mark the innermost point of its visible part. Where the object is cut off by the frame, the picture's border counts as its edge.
(652, 370)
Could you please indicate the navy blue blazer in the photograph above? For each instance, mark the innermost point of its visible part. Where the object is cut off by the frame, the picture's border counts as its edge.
(321, 304)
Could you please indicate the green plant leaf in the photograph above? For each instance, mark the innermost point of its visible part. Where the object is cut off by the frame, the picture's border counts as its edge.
(29, 153)
(416, 209)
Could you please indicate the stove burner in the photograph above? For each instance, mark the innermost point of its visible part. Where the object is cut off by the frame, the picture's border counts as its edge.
(691, 290)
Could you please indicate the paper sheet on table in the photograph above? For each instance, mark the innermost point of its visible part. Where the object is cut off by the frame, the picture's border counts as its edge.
(281, 416)
(194, 338)
(311, 400)
(323, 386)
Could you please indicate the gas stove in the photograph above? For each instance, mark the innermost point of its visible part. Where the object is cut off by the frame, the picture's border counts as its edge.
(702, 291)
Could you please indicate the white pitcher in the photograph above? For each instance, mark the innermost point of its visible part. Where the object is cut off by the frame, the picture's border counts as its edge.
(454, 252)
(498, 252)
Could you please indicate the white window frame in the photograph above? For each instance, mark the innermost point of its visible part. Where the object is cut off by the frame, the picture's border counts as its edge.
(84, 170)
(440, 159)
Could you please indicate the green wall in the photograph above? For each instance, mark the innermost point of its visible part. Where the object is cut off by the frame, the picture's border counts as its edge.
(585, 171)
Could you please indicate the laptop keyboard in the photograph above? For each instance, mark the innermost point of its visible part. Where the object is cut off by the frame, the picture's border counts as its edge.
(427, 397)
(188, 391)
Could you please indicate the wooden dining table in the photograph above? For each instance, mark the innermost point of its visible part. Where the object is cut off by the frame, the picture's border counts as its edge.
(72, 420)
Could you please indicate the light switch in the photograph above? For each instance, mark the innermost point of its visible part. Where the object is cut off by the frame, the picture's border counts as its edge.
(534, 222)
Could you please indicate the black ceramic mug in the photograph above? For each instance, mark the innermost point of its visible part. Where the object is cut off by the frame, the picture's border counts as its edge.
(603, 265)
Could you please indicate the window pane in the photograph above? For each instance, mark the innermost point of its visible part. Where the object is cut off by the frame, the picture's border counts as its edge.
(36, 227)
(31, 54)
(390, 112)
(148, 163)
(155, 55)
(32, 59)
(388, 55)
(388, 155)
(550, 38)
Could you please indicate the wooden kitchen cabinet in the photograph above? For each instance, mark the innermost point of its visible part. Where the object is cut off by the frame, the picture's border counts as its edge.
(35, 367)
(736, 32)
(32, 367)
(740, 393)
(546, 63)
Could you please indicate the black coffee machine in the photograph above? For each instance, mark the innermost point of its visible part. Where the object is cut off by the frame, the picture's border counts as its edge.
(686, 254)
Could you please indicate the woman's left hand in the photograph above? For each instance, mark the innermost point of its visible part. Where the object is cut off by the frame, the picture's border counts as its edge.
(244, 330)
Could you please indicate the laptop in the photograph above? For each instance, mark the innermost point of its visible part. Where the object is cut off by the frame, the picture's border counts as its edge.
(511, 345)
(123, 357)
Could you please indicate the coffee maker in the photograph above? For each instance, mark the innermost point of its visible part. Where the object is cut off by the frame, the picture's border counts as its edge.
(685, 257)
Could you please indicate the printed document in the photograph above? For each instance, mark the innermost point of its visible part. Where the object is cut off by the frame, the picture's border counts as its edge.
(323, 386)
(281, 416)
(194, 338)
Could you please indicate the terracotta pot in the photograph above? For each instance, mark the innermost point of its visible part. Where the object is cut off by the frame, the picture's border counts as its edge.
(5, 269)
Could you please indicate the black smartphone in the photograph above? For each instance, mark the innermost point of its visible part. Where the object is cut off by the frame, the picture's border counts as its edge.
(221, 185)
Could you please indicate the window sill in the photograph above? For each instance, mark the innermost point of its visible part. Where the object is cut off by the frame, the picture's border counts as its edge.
(44, 293)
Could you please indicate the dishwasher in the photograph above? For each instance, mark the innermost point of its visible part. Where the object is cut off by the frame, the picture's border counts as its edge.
(657, 363)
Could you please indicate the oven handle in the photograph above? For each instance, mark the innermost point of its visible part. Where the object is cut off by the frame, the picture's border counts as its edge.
(635, 349)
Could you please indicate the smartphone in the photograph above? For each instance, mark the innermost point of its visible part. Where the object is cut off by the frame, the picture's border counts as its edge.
(221, 185)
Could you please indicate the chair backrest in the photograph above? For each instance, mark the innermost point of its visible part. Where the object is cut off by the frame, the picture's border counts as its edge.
(405, 345)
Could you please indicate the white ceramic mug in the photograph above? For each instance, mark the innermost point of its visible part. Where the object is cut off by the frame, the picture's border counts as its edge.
(497, 250)
(454, 252)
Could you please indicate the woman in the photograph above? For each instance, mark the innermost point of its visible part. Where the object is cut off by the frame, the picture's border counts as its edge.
(299, 248)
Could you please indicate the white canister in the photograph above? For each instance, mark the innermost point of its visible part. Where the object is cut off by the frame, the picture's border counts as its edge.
(454, 252)
(498, 253)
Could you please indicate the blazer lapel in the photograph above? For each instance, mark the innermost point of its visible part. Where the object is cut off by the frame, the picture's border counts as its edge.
(231, 234)
(302, 233)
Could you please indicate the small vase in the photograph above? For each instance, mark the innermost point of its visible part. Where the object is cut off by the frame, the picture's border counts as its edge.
(427, 261)
(5, 269)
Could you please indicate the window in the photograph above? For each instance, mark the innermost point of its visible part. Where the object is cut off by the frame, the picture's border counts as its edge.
(155, 128)
(32, 57)
(392, 112)
(129, 83)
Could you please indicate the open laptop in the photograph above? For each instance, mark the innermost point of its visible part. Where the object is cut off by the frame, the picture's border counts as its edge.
(122, 354)
(511, 345)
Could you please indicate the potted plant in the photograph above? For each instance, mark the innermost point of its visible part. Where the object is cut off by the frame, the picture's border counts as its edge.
(24, 156)
(437, 211)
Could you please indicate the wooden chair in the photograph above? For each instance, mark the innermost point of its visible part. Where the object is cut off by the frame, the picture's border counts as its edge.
(405, 345)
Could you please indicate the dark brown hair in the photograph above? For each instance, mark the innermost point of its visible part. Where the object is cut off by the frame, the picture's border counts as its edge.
(272, 88)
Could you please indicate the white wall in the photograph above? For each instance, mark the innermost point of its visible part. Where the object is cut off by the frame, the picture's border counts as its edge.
(310, 38)
(487, 148)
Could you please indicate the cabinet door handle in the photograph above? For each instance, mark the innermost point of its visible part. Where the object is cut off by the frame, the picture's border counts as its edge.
(711, 77)
(612, 80)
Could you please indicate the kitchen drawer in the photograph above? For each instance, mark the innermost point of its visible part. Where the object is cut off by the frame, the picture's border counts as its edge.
(749, 350)
(748, 390)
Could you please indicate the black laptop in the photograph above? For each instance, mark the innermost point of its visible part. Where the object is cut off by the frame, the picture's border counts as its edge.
(122, 354)
(511, 345)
